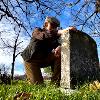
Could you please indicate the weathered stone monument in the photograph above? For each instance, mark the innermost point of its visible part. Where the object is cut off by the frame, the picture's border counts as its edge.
(79, 59)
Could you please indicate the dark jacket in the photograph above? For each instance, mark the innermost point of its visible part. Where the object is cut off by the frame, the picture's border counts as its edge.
(41, 44)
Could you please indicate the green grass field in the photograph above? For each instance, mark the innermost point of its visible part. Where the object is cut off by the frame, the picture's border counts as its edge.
(45, 92)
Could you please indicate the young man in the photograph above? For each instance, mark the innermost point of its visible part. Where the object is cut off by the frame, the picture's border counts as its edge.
(44, 50)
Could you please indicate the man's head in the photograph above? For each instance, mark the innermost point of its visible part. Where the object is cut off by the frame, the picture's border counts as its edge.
(51, 23)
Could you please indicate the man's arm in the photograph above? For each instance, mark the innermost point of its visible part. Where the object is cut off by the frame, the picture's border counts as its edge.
(65, 30)
(57, 51)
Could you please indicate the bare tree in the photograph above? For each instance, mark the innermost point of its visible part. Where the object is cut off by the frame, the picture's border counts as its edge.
(86, 15)
(12, 47)
(22, 12)
(16, 44)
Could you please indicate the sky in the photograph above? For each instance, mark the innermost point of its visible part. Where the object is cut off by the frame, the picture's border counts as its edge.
(6, 58)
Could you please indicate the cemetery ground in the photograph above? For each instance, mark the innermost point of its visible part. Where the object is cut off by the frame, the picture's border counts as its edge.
(24, 91)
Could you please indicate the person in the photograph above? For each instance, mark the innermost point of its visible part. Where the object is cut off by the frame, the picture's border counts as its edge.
(44, 50)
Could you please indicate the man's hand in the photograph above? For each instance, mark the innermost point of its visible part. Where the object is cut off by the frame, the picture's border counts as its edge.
(65, 30)
(38, 33)
(57, 51)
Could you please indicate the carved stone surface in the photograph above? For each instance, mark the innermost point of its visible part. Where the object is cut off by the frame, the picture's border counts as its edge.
(65, 60)
(79, 59)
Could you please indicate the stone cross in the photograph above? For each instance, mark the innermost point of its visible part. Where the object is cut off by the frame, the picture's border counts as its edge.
(79, 59)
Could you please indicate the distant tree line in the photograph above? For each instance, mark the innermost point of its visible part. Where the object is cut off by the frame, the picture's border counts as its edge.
(4, 76)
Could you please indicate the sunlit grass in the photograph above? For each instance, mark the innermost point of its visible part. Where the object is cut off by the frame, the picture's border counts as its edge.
(46, 91)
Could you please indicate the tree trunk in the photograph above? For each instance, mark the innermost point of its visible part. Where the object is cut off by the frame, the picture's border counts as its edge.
(14, 57)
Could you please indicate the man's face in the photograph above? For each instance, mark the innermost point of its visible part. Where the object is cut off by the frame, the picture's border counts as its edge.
(50, 26)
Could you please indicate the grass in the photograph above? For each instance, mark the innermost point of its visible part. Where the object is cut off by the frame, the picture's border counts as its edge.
(46, 92)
